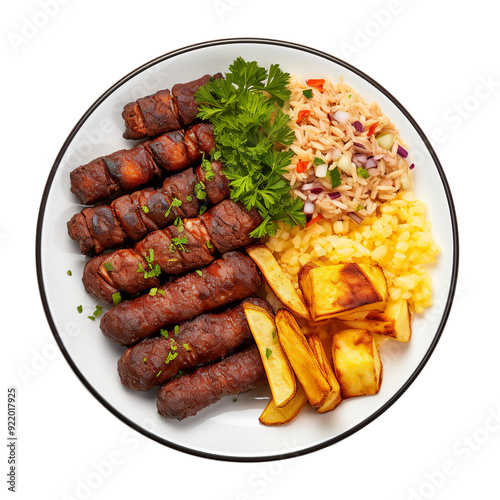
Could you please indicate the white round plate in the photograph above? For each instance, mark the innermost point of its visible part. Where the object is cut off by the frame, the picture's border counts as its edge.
(228, 430)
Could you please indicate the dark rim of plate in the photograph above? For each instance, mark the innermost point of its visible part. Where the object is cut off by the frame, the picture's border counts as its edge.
(278, 456)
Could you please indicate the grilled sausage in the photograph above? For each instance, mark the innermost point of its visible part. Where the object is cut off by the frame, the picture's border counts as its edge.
(132, 216)
(130, 168)
(205, 339)
(187, 395)
(164, 111)
(232, 277)
(174, 250)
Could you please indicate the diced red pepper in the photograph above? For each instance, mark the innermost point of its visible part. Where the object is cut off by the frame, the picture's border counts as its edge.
(314, 220)
(303, 113)
(316, 83)
(372, 129)
(302, 166)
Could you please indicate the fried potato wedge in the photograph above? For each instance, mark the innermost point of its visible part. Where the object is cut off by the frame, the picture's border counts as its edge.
(278, 370)
(274, 415)
(356, 362)
(330, 291)
(277, 280)
(394, 322)
(301, 357)
(334, 397)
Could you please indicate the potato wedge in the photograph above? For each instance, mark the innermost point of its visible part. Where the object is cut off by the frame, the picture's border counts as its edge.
(356, 362)
(334, 397)
(394, 322)
(278, 370)
(330, 291)
(274, 415)
(303, 361)
(277, 280)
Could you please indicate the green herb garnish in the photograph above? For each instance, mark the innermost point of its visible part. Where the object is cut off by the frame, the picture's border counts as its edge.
(308, 93)
(69, 273)
(178, 243)
(186, 346)
(250, 130)
(175, 203)
(176, 329)
(117, 298)
(109, 266)
(179, 224)
(318, 161)
(335, 177)
(80, 309)
(206, 166)
(164, 333)
(362, 172)
(268, 352)
(198, 272)
(98, 310)
(145, 209)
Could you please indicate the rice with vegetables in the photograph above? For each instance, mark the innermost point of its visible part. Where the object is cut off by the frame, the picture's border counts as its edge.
(342, 141)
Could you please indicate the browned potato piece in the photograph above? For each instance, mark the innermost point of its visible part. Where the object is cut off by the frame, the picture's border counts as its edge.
(394, 322)
(303, 361)
(330, 291)
(273, 415)
(356, 362)
(334, 398)
(277, 280)
(278, 370)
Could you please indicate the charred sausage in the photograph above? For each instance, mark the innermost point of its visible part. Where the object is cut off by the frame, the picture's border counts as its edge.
(133, 216)
(205, 339)
(173, 250)
(187, 395)
(164, 111)
(232, 277)
(130, 168)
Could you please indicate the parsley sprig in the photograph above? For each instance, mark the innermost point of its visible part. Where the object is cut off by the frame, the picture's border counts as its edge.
(251, 131)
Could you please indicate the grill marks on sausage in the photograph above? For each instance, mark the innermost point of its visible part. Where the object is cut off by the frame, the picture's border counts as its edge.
(175, 249)
(133, 216)
(232, 277)
(205, 339)
(131, 168)
(163, 111)
(187, 395)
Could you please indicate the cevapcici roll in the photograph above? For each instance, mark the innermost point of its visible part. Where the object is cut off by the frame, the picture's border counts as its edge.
(191, 244)
(164, 111)
(131, 168)
(132, 216)
(187, 395)
(232, 277)
(205, 339)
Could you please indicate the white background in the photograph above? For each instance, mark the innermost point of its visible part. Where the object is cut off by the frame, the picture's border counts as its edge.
(442, 437)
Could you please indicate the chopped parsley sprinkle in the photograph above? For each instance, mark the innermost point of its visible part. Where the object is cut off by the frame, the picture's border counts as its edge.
(79, 309)
(158, 374)
(179, 224)
(203, 209)
(189, 198)
(175, 203)
(186, 346)
(162, 292)
(199, 191)
(178, 243)
(362, 172)
(209, 244)
(198, 272)
(206, 166)
(109, 266)
(153, 291)
(69, 273)
(164, 333)
(117, 298)
(308, 93)
(268, 352)
(91, 317)
(153, 270)
(235, 399)
(98, 310)
(145, 209)
(171, 355)
(144, 359)
(359, 207)
(318, 161)
(176, 329)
